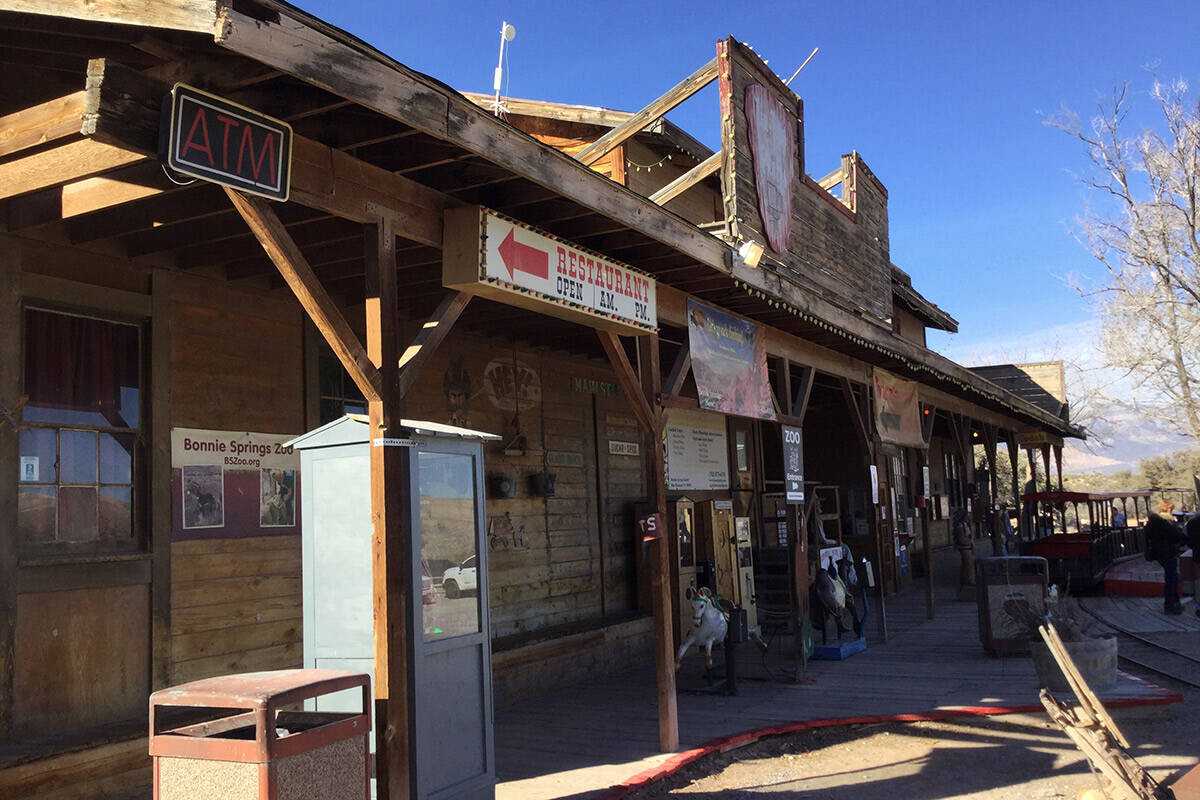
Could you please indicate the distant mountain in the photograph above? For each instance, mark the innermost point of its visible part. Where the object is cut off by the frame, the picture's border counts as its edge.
(1118, 438)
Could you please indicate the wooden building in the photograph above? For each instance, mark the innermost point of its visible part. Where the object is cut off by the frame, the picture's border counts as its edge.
(139, 305)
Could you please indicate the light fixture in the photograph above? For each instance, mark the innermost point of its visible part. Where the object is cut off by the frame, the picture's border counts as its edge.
(750, 253)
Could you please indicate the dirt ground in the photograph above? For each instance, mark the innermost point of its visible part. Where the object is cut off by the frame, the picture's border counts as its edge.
(983, 758)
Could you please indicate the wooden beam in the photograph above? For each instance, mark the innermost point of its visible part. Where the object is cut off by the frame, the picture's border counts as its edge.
(803, 392)
(68, 162)
(660, 567)
(326, 58)
(123, 108)
(198, 16)
(783, 376)
(630, 127)
(391, 521)
(679, 371)
(308, 290)
(862, 431)
(37, 125)
(688, 179)
(628, 379)
(429, 338)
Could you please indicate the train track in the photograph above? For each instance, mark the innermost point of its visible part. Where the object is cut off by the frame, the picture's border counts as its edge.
(1150, 655)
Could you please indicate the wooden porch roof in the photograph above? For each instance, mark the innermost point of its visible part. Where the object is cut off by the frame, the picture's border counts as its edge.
(359, 117)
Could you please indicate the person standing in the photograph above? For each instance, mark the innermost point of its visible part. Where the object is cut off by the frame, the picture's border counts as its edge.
(1193, 537)
(1164, 540)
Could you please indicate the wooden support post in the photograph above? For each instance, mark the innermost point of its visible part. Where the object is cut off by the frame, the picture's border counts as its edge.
(160, 481)
(656, 491)
(630, 127)
(688, 179)
(926, 547)
(1014, 459)
(1046, 467)
(10, 391)
(307, 287)
(989, 452)
(1057, 450)
(1034, 508)
(391, 527)
(928, 414)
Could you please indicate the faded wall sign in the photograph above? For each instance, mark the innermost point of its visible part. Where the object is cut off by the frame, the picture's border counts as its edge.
(729, 362)
(772, 133)
(512, 385)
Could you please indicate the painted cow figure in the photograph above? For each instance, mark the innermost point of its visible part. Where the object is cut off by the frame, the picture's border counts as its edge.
(709, 624)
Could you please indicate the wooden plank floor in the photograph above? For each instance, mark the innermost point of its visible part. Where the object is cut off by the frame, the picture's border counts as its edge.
(573, 741)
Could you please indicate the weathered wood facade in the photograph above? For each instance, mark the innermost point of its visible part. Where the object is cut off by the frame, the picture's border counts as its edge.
(273, 318)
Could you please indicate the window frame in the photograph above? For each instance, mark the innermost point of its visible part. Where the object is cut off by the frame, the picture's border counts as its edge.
(138, 543)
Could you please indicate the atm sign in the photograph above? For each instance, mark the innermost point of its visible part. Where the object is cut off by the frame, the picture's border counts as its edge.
(211, 138)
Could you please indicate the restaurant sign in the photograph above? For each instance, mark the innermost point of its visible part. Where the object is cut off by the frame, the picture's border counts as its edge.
(493, 256)
(216, 140)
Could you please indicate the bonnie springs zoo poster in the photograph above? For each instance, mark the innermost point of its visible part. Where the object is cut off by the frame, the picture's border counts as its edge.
(232, 484)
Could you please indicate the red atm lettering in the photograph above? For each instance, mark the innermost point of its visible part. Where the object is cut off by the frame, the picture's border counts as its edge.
(200, 123)
(228, 122)
(248, 144)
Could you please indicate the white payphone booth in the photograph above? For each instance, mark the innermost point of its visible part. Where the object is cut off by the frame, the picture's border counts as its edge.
(449, 636)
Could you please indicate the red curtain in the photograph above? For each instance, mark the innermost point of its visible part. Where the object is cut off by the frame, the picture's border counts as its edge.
(79, 363)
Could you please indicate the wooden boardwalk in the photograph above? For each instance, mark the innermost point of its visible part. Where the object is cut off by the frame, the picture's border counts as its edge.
(574, 741)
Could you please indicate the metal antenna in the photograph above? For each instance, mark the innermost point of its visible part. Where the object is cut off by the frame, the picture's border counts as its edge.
(507, 34)
(788, 82)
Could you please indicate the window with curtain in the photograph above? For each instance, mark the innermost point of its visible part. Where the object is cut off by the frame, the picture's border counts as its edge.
(80, 436)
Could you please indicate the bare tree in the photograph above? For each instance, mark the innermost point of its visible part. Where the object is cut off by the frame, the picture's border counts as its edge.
(1145, 230)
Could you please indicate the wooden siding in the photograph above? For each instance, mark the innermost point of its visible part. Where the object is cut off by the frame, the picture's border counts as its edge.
(551, 575)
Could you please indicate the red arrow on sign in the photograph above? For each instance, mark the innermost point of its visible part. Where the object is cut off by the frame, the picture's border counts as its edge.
(519, 257)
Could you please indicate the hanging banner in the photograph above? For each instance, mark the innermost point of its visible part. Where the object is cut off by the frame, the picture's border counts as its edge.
(232, 484)
(729, 362)
(793, 464)
(897, 413)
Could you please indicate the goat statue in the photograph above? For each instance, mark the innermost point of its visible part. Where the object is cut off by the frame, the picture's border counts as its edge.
(709, 624)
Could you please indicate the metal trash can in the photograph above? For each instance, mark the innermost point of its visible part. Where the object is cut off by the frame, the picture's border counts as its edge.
(998, 579)
(245, 736)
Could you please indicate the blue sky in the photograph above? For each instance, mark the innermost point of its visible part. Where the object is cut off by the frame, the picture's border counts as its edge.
(945, 101)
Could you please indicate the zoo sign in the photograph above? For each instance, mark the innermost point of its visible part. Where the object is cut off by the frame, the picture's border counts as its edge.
(493, 256)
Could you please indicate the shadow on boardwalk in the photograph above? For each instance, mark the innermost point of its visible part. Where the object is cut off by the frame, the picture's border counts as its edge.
(574, 741)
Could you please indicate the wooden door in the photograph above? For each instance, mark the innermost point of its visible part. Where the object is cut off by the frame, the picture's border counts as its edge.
(619, 470)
